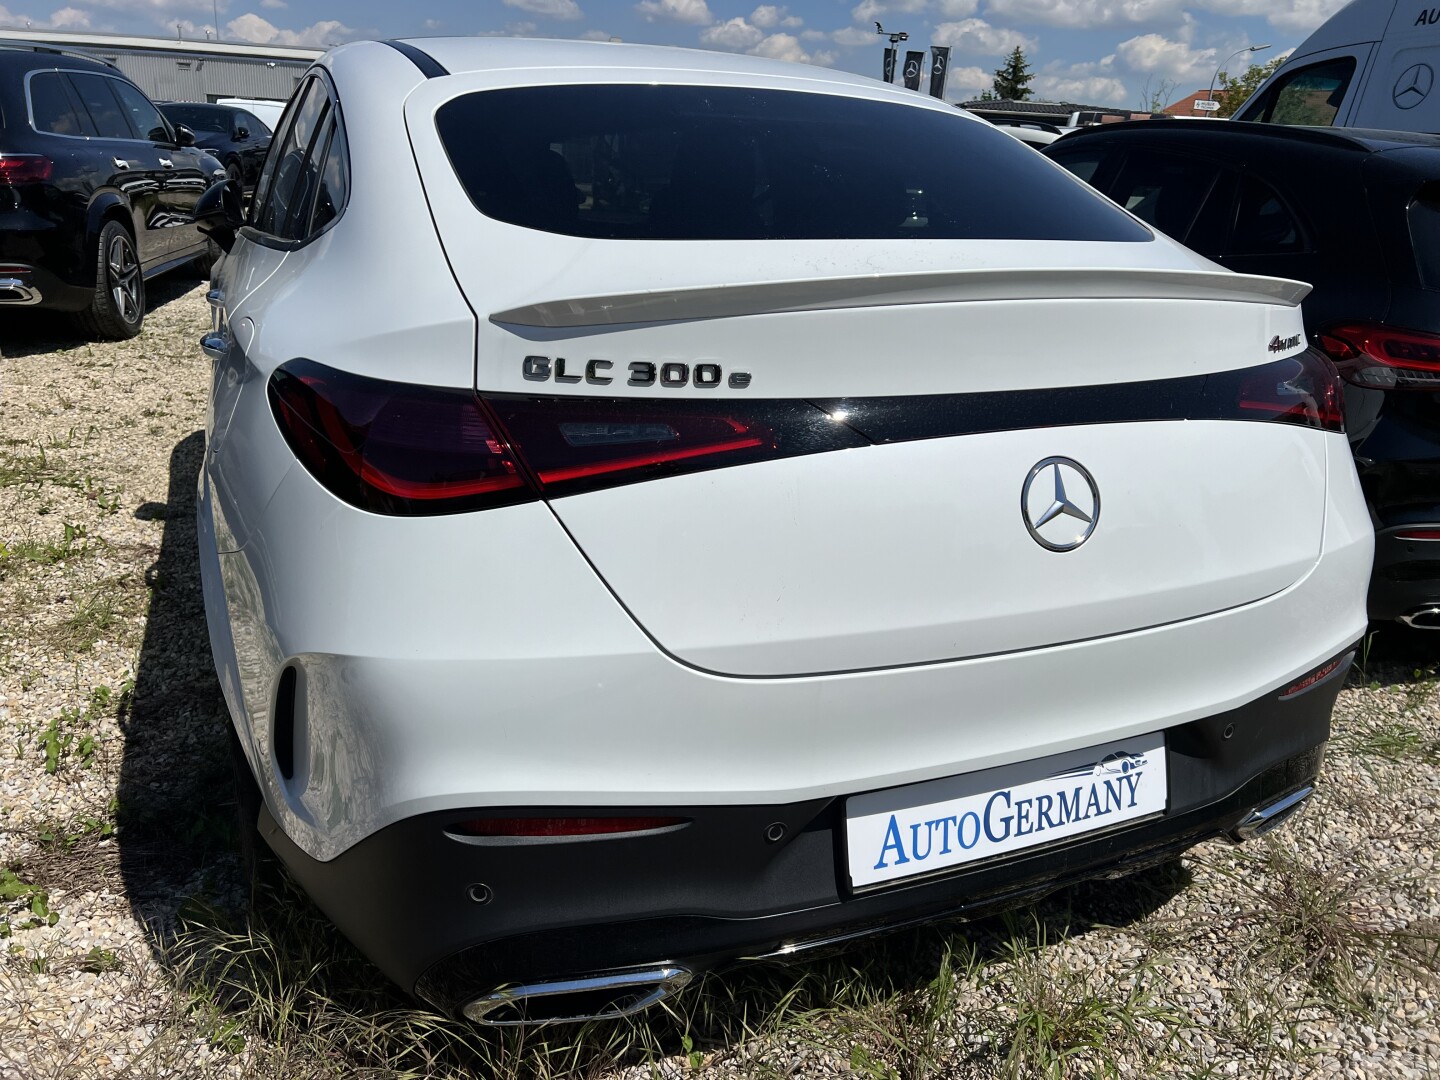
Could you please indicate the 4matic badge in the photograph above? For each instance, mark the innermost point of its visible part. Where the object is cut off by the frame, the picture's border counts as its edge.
(671, 373)
(1280, 344)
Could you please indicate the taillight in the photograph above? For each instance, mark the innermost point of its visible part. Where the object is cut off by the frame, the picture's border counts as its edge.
(535, 827)
(391, 447)
(573, 444)
(1316, 677)
(1383, 357)
(1302, 389)
(25, 168)
(1431, 534)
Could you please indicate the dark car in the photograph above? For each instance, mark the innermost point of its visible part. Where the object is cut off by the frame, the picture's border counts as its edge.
(239, 139)
(97, 190)
(1357, 214)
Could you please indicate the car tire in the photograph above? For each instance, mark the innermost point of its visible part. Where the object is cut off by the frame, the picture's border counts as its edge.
(117, 310)
(234, 172)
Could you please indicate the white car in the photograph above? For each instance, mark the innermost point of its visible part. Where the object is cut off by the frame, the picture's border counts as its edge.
(663, 507)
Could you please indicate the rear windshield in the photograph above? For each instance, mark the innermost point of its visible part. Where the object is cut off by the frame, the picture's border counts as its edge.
(213, 120)
(708, 163)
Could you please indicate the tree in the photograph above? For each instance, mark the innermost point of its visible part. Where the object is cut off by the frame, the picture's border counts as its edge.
(1010, 79)
(1154, 100)
(1233, 93)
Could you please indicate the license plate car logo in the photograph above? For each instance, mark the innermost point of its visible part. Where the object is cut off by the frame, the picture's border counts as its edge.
(922, 828)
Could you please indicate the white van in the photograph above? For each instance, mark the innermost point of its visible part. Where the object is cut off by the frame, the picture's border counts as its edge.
(266, 110)
(1372, 64)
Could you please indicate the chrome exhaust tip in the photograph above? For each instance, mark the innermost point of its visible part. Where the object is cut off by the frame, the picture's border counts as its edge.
(568, 1001)
(1425, 618)
(1264, 818)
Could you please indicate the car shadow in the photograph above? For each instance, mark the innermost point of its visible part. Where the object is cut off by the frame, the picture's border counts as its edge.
(24, 332)
(237, 951)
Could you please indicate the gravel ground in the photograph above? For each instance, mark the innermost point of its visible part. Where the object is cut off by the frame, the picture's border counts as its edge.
(1311, 953)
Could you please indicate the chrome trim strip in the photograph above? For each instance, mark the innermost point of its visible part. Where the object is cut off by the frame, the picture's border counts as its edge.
(1262, 819)
(650, 986)
(880, 290)
(25, 293)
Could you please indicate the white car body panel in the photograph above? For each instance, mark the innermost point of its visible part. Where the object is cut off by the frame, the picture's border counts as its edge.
(480, 660)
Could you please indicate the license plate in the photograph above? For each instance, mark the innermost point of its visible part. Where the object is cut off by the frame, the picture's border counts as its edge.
(922, 828)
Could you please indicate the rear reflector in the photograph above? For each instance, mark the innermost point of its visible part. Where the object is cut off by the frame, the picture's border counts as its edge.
(24, 168)
(1418, 534)
(1383, 357)
(562, 826)
(1316, 677)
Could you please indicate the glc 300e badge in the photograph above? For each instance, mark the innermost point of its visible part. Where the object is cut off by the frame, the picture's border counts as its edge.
(1060, 504)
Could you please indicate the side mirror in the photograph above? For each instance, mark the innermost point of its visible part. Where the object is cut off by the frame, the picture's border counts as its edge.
(184, 136)
(241, 134)
(219, 212)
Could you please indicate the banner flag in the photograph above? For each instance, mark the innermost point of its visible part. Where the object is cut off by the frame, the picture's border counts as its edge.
(939, 67)
(914, 61)
(890, 64)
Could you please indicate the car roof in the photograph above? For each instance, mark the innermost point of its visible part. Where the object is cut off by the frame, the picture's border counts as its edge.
(1359, 140)
(22, 57)
(470, 54)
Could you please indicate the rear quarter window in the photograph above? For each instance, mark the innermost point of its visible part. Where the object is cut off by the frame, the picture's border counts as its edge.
(1424, 217)
(724, 163)
(1306, 97)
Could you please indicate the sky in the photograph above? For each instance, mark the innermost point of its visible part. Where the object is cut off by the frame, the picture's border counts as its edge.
(1094, 52)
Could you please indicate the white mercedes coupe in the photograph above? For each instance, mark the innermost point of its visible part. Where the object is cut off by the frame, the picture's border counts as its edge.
(668, 507)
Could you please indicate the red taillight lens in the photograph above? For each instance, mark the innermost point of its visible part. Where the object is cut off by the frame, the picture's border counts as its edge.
(1383, 357)
(1302, 389)
(1418, 534)
(1316, 677)
(580, 444)
(562, 826)
(24, 168)
(394, 448)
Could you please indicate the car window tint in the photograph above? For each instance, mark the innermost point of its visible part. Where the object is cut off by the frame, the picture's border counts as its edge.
(109, 120)
(1424, 215)
(1210, 232)
(726, 163)
(1306, 97)
(145, 118)
(198, 120)
(288, 179)
(258, 128)
(1082, 164)
(52, 107)
(1164, 189)
(1263, 225)
(334, 182)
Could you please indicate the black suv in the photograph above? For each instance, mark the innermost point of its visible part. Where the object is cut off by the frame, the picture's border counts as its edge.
(1355, 213)
(97, 190)
(238, 138)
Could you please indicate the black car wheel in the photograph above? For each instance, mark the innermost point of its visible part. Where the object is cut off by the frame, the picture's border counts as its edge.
(117, 310)
(234, 172)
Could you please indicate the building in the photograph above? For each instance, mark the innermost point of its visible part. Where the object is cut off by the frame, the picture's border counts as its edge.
(170, 69)
(1186, 106)
(1056, 113)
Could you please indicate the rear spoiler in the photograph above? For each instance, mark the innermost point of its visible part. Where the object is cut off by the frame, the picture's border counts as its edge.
(882, 290)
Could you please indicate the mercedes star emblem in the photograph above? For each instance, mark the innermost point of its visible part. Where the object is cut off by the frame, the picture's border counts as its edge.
(1060, 504)
(1413, 86)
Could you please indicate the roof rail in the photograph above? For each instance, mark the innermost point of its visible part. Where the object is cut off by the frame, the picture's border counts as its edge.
(58, 50)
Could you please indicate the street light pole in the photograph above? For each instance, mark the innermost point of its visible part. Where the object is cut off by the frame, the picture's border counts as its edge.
(1237, 52)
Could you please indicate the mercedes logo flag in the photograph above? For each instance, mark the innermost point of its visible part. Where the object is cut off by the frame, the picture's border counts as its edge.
(939, 65)
(914, 64)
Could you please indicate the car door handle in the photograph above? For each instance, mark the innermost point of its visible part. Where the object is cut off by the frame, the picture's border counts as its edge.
(167, 163)
(121, 163)
(215, 345)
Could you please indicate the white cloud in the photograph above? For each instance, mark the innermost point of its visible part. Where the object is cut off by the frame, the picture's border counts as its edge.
(1087, 14)
(432, 24)
(1155, 54)
(769, 16)
(548, 9)
(274, 5)
(851, 36)
(735, 34)
(69, 18)
(694, 12)
(978, 36)
(1092, 90)
(964, 83)
(783, 47)
(251, 27)
(957, 9)
(520, 29)
(153, 7)
(595, 35)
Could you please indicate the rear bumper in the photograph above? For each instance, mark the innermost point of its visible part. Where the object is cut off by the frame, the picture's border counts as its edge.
(719, 889)
(1407, 573)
